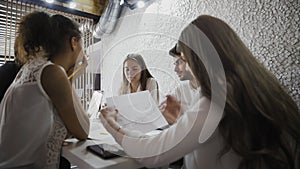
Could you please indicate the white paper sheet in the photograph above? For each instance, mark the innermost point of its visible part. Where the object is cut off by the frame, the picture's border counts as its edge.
(137, 111)
(94, 104)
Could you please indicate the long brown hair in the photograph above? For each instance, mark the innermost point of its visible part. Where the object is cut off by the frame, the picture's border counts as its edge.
(145, 74)
(261, 122)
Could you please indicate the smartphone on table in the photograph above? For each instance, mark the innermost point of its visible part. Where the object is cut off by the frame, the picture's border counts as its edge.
(105, 151)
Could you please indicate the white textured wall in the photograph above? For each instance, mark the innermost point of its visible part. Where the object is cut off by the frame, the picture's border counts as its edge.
(270, 28)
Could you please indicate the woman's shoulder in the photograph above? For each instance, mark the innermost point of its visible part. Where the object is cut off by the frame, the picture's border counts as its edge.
(57, 75)
(54, 70)
(151, 80)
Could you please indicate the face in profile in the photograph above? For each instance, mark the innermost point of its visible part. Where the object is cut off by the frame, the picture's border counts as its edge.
(182, 69)
(79, 53)
(80, 60)
(78, 49)
(132, 71)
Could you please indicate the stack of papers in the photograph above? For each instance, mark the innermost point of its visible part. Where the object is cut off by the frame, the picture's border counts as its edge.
(137, 111)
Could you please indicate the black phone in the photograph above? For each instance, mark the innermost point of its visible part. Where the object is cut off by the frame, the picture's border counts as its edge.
(105, 151)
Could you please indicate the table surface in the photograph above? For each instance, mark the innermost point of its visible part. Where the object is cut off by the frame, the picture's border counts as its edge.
(75, 151)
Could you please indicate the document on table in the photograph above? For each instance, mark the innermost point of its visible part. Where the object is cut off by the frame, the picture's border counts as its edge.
(94, 104)
(137, 111)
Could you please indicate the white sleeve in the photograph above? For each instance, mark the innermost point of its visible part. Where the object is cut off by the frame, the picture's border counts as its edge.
(181, 90)
(179, 96)
(171, 144)
(152, 86)
(177, 93)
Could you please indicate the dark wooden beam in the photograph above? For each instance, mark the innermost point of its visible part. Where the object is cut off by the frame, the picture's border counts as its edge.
(86, 8)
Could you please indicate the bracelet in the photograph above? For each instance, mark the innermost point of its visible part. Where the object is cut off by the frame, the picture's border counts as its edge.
(120, 127)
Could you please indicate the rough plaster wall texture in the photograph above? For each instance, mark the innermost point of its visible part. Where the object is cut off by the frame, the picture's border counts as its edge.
(270, 28)
(145, 36)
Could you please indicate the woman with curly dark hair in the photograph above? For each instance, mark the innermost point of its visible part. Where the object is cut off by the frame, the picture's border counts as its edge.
(40, 107)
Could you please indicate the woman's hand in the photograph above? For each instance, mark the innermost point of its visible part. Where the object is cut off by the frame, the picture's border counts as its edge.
(170, 109)
(109, 116)
(77, 69)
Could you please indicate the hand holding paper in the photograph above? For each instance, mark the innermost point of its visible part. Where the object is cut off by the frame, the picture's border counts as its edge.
(171, 109)
(137, 111)
(94, 104)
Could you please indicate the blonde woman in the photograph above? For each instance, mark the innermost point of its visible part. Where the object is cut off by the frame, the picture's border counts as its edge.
(136, 77)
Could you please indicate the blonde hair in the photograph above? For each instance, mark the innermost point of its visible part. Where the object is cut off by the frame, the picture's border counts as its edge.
(145, 74)
(19, 51)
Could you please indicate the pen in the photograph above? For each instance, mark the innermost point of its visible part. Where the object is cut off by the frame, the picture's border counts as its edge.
(78, 68)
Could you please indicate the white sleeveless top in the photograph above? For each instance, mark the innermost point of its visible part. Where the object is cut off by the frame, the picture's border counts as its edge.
(31, 131)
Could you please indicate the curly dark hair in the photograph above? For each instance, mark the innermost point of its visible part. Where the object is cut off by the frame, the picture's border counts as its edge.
(40, 32)
(33, 32)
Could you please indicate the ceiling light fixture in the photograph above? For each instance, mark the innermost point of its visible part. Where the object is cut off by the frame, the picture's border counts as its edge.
(49, 1)
(133, 4)
(140, 4)
(72, 4)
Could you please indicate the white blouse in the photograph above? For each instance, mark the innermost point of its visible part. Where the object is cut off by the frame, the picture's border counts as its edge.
(152, 86)
(182, 139)
(185, 94)
(31, 131)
